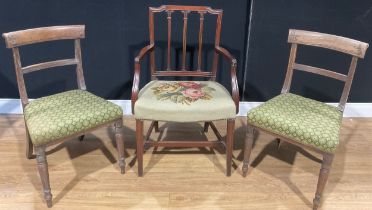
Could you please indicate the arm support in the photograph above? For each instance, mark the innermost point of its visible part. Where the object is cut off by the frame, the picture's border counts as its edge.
(137, 70)
(234, 82)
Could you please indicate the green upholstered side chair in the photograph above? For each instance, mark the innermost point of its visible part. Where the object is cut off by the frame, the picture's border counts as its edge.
(184, 101)
(56, 118)
(301, 121)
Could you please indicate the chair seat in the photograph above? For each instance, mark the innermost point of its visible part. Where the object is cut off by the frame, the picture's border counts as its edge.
(57, 116)
(184, 101)
(301, 119)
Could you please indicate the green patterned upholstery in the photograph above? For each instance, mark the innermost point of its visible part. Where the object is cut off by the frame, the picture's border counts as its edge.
(305, 120)
(184, 101)
(53, 117)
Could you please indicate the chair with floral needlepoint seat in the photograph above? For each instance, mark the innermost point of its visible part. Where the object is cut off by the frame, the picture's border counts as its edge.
(184, 101)
(63, 116)
(301, 121)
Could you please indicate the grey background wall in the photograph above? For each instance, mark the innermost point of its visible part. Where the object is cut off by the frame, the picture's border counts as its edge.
(269, 51)
(117, 29)
(115, 32)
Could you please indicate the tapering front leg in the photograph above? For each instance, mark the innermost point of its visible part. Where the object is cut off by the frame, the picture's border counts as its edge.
(248, 148)
(139, 138)
(322, 180)
(42, 166)
(120, 144)
(29, 146)
(229, 144)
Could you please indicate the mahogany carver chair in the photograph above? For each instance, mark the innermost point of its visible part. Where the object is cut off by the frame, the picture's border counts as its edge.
(63, 116)
(301, 121)
(184, 101)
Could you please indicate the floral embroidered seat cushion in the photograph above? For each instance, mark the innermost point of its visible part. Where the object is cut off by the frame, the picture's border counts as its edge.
(305, 120)
(53, 117)
(184, 101)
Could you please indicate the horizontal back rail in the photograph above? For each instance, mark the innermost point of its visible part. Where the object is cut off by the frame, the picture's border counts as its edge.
(44, 34)
(183, 8)
(50, 64)
(36, 35)
(182, 74)
(356, 49)
(333, 42)
(320, 71)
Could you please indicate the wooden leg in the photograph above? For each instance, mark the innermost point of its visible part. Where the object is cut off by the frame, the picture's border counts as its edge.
(206, 125)
(42, 166)
(81, 138)
(120, 144)
(229, 144)
(29, 146)
(322, 180)
(247, 149)
(139, 138)
(156, 126)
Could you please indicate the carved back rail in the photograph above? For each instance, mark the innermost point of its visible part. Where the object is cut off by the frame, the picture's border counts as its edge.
(170, 9)
(17, 39)
(352, 47)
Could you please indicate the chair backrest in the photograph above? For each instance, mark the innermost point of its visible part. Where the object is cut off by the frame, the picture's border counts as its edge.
(169, 9)
(352, 47)
(16, 39)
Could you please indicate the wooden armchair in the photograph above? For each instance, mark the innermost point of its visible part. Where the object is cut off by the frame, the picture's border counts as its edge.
(184, 101)
(302, 121)
(56, 118)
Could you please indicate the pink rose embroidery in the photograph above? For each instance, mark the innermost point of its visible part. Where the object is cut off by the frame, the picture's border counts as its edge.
(190, 84)
(185, 92)
(193, 93)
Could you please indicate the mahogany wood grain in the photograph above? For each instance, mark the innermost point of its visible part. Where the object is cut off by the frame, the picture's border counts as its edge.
(183, 72)
(201, 28)
(140, 145)
(229, 144)
(184, 39)
(234, 80)
(172, 73)
(169, 18)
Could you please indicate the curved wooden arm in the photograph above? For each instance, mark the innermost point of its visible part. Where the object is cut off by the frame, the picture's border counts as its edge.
(234, 81)
(137, 70)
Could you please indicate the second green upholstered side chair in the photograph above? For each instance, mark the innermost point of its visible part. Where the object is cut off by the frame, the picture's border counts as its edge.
(301, 121)
(56, 118)
(184, 101)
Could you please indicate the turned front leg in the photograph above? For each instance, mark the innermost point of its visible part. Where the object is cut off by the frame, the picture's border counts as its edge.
(120, 144)
(322, 180)
(42, 166)
(247, 148)
(229, 144)
(139, 139)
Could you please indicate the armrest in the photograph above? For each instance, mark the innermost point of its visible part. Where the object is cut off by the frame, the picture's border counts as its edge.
(137, 70)
(234, 82)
